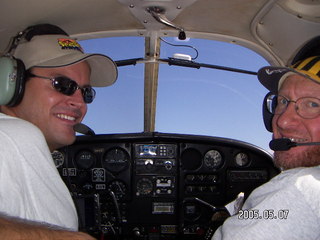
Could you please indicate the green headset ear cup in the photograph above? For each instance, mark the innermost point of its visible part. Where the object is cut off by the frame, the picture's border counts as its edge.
(12, 74)
(20, 84)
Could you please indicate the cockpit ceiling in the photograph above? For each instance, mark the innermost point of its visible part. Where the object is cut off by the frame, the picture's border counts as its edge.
(274, 29)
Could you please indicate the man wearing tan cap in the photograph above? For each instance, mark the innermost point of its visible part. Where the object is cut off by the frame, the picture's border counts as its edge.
(45, 85)
(288, 206)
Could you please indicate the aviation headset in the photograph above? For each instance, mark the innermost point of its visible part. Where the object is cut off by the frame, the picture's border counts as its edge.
(267, 115)
(12, 70)
(12, 80)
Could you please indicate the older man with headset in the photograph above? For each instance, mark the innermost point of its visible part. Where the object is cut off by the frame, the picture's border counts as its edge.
(288, 206)
(45, 85)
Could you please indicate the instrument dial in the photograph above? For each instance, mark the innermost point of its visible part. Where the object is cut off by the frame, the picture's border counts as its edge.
(85, 159)
(144, 187)
(58, 158)
(118, 188)
(213, 159)
(116, 160)
(242, 159)
(191, 159)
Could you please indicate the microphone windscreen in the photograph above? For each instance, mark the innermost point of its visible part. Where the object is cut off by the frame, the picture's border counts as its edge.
(83, 129)
(281, 144)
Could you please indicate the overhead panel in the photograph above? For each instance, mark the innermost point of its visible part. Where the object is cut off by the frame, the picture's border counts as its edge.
(287, 26)
(172, 8)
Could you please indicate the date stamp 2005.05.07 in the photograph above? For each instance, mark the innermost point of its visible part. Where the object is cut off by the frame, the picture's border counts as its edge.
(267, 214)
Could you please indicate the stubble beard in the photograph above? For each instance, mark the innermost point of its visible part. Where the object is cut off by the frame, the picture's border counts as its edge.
(287, 160)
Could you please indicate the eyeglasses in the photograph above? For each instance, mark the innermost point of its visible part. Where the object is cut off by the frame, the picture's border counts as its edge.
(306, 107)
(68, 87)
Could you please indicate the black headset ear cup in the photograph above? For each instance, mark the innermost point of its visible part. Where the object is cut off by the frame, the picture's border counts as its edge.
(12, 80)
(267, 116)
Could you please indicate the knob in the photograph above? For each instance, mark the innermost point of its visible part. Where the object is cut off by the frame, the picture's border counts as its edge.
(168, 165)
(136, 232)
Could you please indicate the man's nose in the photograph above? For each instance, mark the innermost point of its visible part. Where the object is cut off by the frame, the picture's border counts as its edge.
(76, 99)
(289, 117)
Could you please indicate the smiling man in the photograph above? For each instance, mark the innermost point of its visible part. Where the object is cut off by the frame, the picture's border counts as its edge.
(288, 206)
(294, 103)
(53, 86)
(57, 115)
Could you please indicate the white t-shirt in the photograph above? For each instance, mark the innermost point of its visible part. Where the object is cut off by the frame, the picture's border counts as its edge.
(286, 207)
(30, 185)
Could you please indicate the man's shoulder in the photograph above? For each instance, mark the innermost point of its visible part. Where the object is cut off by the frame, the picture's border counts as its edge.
(301, 173)
(292, 180)
(18, 135)
(307, 178)
(13, 126)
(304, 181)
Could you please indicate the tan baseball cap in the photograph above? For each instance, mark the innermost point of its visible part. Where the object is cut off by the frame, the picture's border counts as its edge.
(52, 51)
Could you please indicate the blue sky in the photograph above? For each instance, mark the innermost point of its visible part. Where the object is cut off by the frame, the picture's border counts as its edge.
(191, 101)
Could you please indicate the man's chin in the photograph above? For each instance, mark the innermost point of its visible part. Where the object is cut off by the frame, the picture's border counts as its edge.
(297, 157)
(69, 140)
(64, 140)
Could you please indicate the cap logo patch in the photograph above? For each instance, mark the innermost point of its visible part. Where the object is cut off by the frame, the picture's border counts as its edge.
(67, 43)
(269, 72)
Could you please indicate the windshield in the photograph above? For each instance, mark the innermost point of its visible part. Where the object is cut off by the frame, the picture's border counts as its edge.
(190, 101)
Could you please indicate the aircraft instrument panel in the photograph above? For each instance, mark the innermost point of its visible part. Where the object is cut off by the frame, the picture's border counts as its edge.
(157, 185)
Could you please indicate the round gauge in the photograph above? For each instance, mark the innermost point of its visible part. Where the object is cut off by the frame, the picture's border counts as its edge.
(85, 159)
(58, 158)
(115, 160)
(118, 188)
(191, 159)
(144, 187)
(241, 159)
(212, 159)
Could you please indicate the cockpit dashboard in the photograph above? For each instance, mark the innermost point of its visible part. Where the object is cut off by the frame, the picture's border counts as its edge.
(158, 185)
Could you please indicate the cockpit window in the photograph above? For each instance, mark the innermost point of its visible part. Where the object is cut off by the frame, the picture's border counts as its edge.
(118, 108)
(201, 101)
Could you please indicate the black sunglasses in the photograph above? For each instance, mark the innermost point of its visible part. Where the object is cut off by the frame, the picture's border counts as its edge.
(68, 87)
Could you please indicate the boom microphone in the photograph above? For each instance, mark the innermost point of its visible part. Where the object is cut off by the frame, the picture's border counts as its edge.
(84, 129)
(284, 144)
